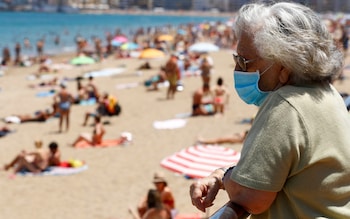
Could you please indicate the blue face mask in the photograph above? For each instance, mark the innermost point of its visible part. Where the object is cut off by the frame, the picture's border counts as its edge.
(246, 85)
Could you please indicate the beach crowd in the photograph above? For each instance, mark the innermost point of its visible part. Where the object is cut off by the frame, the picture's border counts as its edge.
(185, 52)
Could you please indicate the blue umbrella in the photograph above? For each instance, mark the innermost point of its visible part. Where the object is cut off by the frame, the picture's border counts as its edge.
(116, 43)
(181, 32)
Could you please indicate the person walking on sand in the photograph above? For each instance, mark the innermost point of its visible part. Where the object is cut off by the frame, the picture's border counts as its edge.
(172, 72)
(221, 96)
(64, 100)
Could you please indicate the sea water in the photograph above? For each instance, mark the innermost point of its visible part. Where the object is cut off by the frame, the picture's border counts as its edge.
(17, 26)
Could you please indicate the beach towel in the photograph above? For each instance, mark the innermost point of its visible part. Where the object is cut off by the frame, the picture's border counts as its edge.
(12, 119)
(88, 102)
(103, 144)
(170, 124)
(4, 133)
(127, 85)
(41, 77)
(183, 115)
(57, 171)
(49, 93)
(104, 72)
(189, 216)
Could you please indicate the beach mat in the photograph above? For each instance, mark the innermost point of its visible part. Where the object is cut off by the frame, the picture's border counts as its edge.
(190, 216)
(104, 143)
(57, 171)
(49, 93)
(104, 72)
(183, 115)
(88, 102)
(170, 124)
(127, 85)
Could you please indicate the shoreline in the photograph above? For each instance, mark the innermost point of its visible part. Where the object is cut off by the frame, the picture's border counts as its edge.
(69, 45)
(165, 12)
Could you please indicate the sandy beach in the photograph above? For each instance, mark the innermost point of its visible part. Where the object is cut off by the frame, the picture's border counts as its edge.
(117, 177)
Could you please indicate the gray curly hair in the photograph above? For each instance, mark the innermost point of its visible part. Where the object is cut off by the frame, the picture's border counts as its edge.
(294, 36)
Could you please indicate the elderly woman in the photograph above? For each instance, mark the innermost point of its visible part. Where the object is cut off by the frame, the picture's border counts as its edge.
(295, 159)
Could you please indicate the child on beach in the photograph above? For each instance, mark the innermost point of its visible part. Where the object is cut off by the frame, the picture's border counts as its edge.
(220, 96)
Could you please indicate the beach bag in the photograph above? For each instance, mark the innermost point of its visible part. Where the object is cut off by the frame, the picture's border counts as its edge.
(117, 109)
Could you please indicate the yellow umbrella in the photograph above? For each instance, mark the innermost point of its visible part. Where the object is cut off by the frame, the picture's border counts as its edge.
(151, 53)
(165, 37)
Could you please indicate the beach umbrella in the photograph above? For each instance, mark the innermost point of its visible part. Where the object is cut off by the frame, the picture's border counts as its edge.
(129, 46)
(181, 31)
(200, 160)
(82, 60)
(119, 40)
(116, 43)
(165, 37)
(203, 47)
(151, 53)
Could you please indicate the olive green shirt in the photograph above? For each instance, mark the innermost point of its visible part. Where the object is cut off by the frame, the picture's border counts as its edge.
(299, 147)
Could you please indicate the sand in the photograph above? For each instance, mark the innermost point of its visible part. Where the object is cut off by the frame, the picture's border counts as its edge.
(117, 177)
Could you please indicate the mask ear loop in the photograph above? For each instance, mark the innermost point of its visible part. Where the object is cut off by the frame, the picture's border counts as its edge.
(266, 69)
(261, 75)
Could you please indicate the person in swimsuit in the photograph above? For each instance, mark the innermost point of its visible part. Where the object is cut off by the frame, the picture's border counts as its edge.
(220, 96)
(96, 136)
(202, 103)
(205, 71)
(38, 116)
(64, 99)
(172, 72)
(36, 161)
(166, 195)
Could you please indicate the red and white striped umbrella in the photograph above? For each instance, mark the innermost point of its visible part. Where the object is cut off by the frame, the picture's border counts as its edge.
(200, 160)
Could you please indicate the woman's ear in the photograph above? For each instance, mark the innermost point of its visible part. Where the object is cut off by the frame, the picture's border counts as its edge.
(284, 75)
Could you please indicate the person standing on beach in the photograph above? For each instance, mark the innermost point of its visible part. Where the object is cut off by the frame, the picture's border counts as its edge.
(99, 49)
(64, 100)
(40, 48)
(172, 72)
(27, 44)
(6, 56)
(205, 68)
(221, 96)
(18, 58)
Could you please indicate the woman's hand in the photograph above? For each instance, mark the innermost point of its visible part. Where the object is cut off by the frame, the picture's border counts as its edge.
(204, 191)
